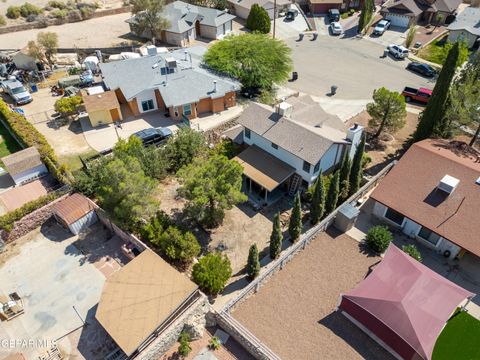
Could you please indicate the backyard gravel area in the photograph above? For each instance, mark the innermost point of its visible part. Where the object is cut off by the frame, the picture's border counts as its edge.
(294, 312)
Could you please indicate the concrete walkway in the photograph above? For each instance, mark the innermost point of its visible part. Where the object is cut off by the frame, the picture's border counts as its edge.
(212, 121)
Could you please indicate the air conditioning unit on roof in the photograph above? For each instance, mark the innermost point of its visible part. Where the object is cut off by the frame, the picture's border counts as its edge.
(448, 184)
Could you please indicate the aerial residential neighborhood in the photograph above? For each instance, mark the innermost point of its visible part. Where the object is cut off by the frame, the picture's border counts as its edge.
(239, 179)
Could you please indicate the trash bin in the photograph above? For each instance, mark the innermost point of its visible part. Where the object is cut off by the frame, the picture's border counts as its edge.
(294, 76)
(34, 88)
(300, 36)
(333, 89)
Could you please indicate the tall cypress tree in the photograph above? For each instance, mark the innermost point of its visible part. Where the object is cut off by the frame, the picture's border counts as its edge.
(356, 171)
(317, 206)
(345, 177)
(431, 121)
(366, 14)
(332, 195)
(253, 264)
(276, 238)
(295, 225)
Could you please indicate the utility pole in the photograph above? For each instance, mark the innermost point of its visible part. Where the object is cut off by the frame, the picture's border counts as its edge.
(274, 16)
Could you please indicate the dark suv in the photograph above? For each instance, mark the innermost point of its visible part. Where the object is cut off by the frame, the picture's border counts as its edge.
(153, 136)
(333, 15)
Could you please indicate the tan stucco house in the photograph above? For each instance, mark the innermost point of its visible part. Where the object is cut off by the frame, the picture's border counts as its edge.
(188, 22)
(174, 83)
(102, 108)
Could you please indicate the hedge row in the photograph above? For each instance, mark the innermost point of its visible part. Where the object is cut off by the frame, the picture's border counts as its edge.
(30, 136)
(8, 220)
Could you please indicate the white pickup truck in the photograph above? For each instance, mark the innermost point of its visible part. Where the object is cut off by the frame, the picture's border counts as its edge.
(17, 91)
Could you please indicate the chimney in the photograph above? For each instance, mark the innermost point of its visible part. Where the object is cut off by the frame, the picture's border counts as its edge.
(448, 184)
(214, 85)
(354, 134)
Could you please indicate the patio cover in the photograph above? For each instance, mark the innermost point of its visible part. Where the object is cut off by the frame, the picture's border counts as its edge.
(263, 168)
(404, 303)
(140, 297)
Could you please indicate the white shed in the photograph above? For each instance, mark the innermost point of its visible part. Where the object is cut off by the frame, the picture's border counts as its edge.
(76, 213)
(24, 165)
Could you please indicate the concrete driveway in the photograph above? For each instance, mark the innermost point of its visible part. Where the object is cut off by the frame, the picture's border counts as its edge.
(394, 35)
(352, 64)
(290, 29)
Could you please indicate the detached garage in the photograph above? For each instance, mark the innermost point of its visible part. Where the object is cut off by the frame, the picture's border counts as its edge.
(76, 213)
(24, 165)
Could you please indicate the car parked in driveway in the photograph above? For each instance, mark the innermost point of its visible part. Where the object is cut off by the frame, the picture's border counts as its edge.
(398, 51)
(333, 15)
(16, 91)
(336, 28)
(153, 136)
(422, 69)
(381, 27)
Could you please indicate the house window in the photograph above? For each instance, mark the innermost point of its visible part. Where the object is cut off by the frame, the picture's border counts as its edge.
(394, 216)
(247, 133)
(316, 168)
(429, 236)
(166, 70)
(275, 146)
(187, 109)
(306, 167)
(147, 105)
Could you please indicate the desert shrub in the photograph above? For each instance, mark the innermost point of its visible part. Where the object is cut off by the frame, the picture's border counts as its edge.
(86, 10)
(214, 343)
(74, 15)
(212, 272)
(42, 21)
(31, 18)
(57, 5)
(378, 238)
(228, 148)
(59, 14)
(412, 251)
(3, 21)
(28, 9)
(178, 245)
(13, 12)
(184, 349)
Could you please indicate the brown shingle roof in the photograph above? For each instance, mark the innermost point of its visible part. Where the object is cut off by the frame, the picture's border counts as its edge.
(103, 101)
(410, 188)
(73, 208)
(139, 297)
(22, 160)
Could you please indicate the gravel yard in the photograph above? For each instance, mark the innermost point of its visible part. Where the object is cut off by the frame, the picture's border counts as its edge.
(294, 312)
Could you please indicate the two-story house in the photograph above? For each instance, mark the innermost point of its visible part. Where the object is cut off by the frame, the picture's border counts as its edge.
(172, 82)
(433, 195)
(291, 144)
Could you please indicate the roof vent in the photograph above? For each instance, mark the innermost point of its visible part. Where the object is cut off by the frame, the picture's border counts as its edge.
(284, 109)
(171, 62)
(448, 184)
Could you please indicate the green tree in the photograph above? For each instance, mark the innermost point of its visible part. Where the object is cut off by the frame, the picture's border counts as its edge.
(431, 119)
(155, 227)
(126, 193)
(412, 31)
(378, 238)
(332, 195)
(317, 206)
(258, 19)
(463, 52)
(344, 180)
(212, 272)
(295, 224)
(178, 245)
(49, 43)
(257, 60)
(253, 264)
(34, 50)
(356, 172)
(182, 147)
(211, 186)
(68, 106)
(149, 18)
(365, 15)
(184, 348)
(413, 252)
(276, 238)
(388, 111)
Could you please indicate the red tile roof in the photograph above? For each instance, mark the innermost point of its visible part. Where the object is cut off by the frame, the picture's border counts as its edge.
(411, 189)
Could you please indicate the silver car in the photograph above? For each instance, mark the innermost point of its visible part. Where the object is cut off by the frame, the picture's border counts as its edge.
(17, 92)
(336, 28)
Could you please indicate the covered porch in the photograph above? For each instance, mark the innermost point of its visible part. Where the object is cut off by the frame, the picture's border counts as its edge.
(266, 178)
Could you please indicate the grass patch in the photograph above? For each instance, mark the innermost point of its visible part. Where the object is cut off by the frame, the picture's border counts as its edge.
(459, 339)
(8, 145)
(73, 162)
(434, 52)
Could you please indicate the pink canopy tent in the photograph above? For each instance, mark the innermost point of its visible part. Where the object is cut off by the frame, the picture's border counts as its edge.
(404, 304)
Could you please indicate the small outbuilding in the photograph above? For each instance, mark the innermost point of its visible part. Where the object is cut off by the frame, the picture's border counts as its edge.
(24, 165)
(23, 61)
(76, 213)
(403, 305)
(102, 108)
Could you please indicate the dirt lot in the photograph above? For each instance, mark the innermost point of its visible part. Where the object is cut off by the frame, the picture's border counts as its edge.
(99, 32)
(294, 312)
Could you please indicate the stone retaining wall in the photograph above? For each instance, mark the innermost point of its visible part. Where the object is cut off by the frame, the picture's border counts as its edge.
(53, 22)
